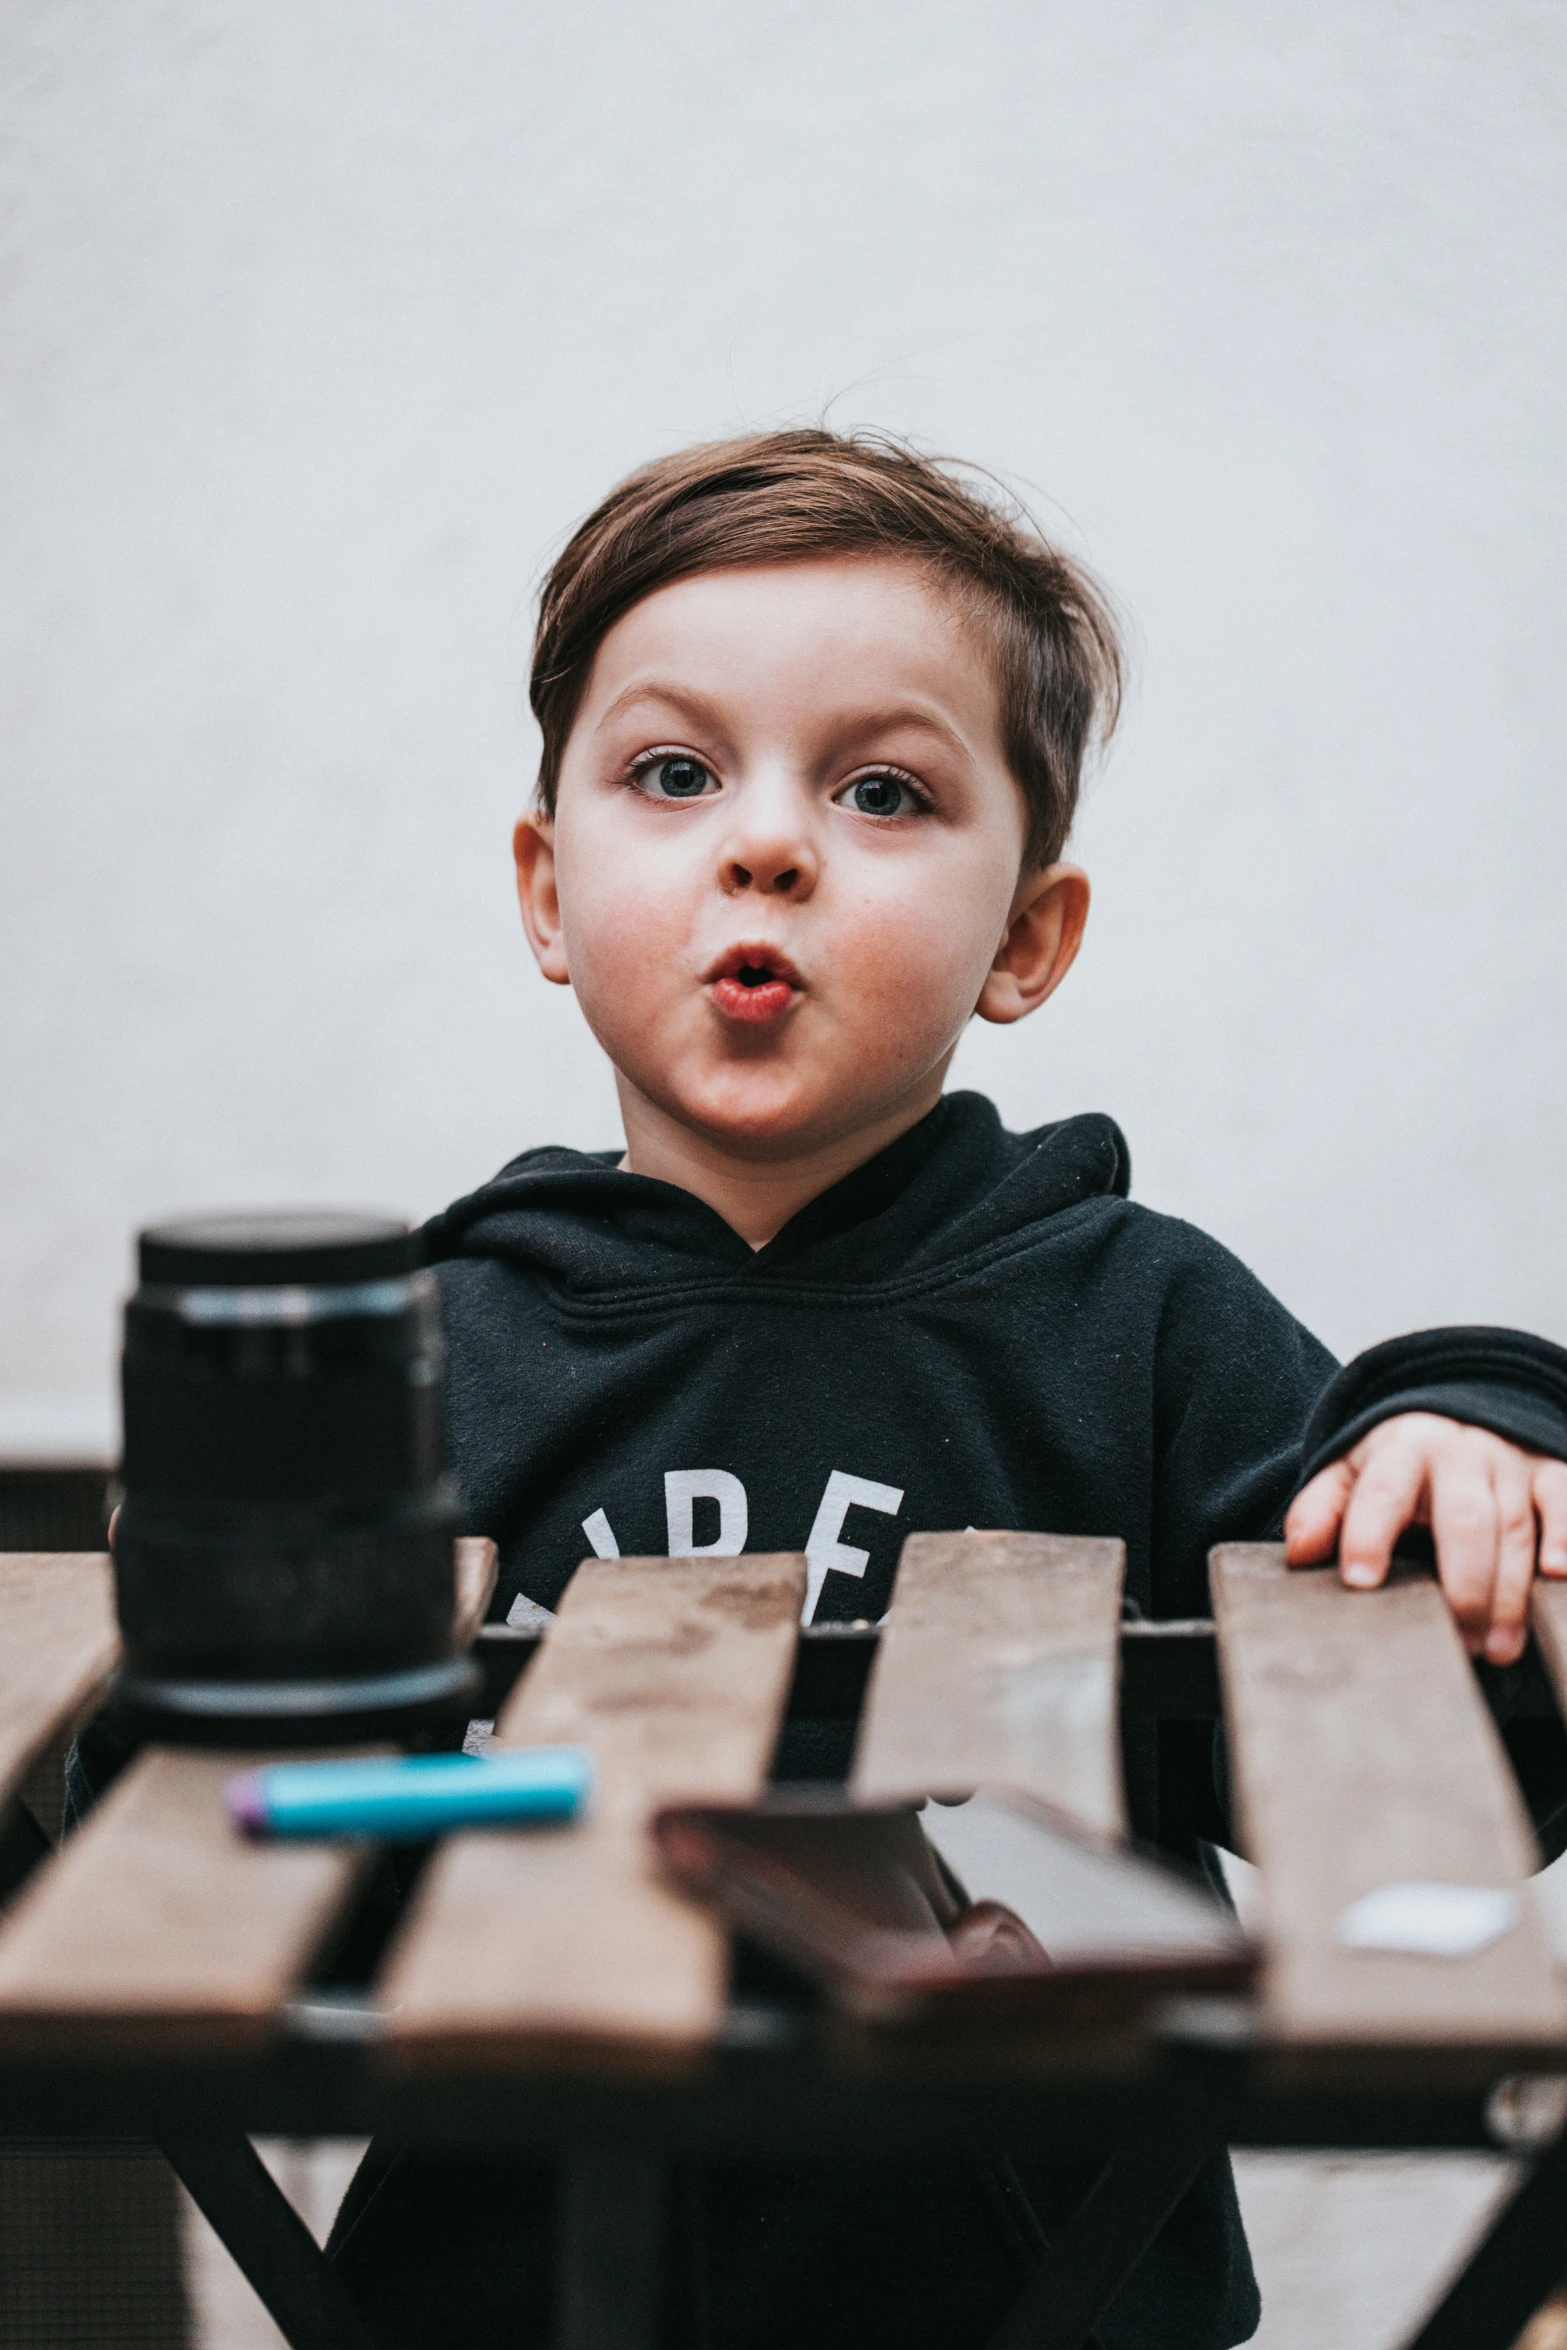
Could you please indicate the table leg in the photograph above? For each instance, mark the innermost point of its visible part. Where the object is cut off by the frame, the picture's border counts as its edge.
(610, 2263)
(1517, 2264)
(1091, 2257)
(270, 2244)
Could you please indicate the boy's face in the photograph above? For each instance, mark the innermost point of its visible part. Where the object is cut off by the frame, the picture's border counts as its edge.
(783, 870)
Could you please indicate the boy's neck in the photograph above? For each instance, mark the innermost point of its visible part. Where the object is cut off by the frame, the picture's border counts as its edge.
(757, 1196)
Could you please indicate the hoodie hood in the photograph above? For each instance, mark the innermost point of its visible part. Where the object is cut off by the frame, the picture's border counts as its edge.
(955, 1186)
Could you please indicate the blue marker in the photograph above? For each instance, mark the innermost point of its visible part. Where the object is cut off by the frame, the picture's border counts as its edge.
(412, 1797)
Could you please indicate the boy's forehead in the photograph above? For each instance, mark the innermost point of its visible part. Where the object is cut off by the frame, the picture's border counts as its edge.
(865, 630)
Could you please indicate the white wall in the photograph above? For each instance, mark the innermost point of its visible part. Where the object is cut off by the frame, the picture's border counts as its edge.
(321, 322)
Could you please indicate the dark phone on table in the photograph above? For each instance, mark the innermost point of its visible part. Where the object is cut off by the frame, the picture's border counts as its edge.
(986, 1908)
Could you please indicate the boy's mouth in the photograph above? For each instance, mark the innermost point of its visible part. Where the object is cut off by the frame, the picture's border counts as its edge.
(754, 984)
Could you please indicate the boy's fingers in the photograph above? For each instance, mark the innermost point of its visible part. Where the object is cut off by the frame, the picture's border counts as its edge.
(1514, 1490)
(1385, 1499)
(1465, 1528)
(1312, 1523)
(1550, 1500)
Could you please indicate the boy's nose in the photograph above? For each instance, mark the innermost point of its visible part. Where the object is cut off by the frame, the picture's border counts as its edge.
(771, 875)
(776, 861)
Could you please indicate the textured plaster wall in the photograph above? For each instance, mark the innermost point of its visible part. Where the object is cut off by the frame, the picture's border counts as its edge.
(321, 322)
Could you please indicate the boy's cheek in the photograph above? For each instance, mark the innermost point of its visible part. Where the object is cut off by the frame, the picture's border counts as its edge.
(623, 973)
(619, 918)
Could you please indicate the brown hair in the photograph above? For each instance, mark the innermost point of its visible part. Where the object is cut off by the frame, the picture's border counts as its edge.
(785, 496)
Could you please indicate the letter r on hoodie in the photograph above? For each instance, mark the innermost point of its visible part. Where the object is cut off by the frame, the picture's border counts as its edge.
(824, 1552)
(683, 1488)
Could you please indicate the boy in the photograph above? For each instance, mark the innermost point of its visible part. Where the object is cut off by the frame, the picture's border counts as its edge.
(814, 717)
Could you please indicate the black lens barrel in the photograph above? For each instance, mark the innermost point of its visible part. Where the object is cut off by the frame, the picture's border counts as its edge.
(283, 1560)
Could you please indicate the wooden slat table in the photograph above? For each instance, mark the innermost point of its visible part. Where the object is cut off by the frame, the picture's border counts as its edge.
(998, 1667)
(552, 1991)
(58, 1646)
(158, 1929)
(1364, 1756)
(674, 1673)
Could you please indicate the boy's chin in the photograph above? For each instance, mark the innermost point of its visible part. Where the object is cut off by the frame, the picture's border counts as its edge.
(775, 1124)
(761, 1134)
(779, 1108)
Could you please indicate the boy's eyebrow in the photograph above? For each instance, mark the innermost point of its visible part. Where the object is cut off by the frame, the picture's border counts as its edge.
(697, 707)
(927, 721)
(644, 689)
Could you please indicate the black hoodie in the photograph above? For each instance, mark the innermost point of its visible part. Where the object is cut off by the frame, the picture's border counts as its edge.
(976, 1328)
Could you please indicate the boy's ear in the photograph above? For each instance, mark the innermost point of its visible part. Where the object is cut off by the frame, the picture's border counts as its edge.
(1041, 943)
(533, 846)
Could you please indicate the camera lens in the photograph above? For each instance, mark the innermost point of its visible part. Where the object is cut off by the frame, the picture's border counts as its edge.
(283, 1560)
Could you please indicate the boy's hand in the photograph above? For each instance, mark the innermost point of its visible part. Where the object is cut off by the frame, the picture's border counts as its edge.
(1487, 1503)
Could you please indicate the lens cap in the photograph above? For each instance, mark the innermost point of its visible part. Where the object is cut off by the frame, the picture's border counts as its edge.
(255, 1249)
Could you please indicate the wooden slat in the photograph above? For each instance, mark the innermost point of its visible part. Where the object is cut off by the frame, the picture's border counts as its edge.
(58, 1646)
(569, 1945)
(1362, 1755)
(998, 1666)
(159, 1930)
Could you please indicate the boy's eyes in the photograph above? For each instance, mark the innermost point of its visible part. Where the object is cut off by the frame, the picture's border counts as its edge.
(675, 775)
(881, 795)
